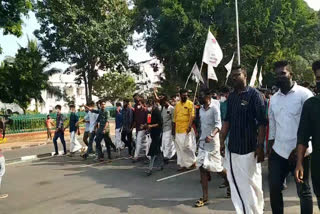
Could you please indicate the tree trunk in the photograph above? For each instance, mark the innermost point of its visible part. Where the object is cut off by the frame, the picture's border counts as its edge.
(85, 86)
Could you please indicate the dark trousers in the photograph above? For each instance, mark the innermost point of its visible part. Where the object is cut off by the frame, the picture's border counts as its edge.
(109, 144)
(60, 135)
(315, 174)
(99, 138)
(126, 137)
(90, 144)
(279, 169)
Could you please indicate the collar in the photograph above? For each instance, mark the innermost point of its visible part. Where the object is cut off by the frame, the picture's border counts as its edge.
(292, 90)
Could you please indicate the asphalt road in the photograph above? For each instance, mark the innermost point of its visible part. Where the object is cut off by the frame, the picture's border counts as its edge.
(71, 185)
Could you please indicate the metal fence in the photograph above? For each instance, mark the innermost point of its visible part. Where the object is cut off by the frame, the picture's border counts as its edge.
(36, 122)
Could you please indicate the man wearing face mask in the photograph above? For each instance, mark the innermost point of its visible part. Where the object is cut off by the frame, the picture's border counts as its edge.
(284, 116)
(139, 119)
(184, 115)
(310, 127)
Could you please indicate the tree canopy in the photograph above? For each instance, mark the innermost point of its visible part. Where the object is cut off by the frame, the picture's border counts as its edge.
(23, 77)
(11, 12)
(175, 32)
(89, 35)
(113, 86)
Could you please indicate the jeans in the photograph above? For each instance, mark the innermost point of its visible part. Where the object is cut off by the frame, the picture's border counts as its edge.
(59, 134)
(126, 137)
(99, 138)
(279, 169)
(86, 136)
(109, 144)
(90, 144)
(160, 161)
(315, 175)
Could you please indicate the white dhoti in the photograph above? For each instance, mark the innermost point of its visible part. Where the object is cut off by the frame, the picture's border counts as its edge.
(186, 148)
(245, 179)
(141, 144)
(118, 143)
(168, 147)
(74, 143)
(2, 168)
(209, 156)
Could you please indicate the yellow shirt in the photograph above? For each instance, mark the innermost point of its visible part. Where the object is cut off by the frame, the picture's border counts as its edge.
(182, 113)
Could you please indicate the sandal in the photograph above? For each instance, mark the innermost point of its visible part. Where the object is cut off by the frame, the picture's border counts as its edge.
(201, 203)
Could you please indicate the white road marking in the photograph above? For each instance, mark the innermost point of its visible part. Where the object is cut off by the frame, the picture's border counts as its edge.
(176, 175)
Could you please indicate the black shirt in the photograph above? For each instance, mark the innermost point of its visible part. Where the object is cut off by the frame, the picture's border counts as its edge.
(310, 124)
(245, 113)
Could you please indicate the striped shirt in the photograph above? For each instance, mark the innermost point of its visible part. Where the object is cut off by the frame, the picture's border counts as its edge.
(245, 113)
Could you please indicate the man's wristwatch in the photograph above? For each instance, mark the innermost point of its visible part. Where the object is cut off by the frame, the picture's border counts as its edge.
(211, 135)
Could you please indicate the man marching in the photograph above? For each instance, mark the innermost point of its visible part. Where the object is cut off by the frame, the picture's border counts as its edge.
(184, 115)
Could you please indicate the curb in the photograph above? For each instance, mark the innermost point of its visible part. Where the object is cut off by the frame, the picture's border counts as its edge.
(26, 146)
(31, 157)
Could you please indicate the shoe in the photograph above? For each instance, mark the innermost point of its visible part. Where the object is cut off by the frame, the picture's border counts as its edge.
(183, 169)
(3, 196)
(85, 156)
(228, 195)
(149, 172)
(223, 185)
(55, 154)
(71, 154)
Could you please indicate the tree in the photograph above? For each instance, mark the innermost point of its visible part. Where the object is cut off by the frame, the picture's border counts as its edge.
(113, 86)
(89, 35)
(175, 32)
(10, 13)
(23, 77)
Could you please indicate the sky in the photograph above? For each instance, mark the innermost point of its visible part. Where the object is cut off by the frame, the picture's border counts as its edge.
(10, 44)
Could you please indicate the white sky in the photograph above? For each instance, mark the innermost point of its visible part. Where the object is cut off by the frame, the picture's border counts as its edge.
(10, 44)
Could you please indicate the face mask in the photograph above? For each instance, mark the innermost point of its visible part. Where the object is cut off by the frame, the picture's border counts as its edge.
(318, 86)
(149, 108)
(139, 106)
(177, 99)
(223, 99)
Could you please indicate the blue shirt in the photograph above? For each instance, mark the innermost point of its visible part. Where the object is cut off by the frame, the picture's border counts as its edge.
(74, 118)
(245, 113)
(119, 119)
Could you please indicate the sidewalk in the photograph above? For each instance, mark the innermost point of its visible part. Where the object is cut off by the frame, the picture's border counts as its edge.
(33, 139)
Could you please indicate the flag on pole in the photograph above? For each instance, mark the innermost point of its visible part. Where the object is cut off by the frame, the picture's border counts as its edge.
(260, 77)
(195, 71)
(211, 74)
(212, 54)
(254, 75)
(229, 67)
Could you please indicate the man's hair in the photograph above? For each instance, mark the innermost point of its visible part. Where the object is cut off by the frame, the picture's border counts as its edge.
(182, 91)
(206, 92)
(118, 104)
(225, 90)
(283, 63)
(135, 94)
(316, 66)
(91, 103)
(48, 116)
(58, 107)
(126, 100)
(102, 101)
(72, 106)
(164, 98)
(239, 68)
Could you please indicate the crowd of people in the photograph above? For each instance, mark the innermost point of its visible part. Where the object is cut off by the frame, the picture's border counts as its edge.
(229, 132)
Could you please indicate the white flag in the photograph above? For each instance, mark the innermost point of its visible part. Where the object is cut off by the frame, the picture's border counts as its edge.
(211, 74)
(254, 76)
(212, 54)
(260, 78)
(229, 67)
(196, 72)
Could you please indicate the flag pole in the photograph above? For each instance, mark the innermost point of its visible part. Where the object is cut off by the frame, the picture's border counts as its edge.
(185, 86)
(238, 34)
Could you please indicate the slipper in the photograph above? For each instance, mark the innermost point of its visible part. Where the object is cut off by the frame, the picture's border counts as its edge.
(3, 196)
(200, 203)
(223, 185)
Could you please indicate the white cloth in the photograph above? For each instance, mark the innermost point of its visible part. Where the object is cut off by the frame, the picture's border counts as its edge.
(74, 143)
(2, 168)
(209, 155)
(118, 142)
(186, 148)
(284, 118)
(93, 120)
(149, 141)
(245, 179)
(168, 148)
(141, 143)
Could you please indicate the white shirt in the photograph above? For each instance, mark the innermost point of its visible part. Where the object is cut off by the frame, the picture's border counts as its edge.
(284, 118)
(93, 120)
(210, 119)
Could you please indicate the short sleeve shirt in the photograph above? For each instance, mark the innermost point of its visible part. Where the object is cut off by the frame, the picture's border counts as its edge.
(182, 114)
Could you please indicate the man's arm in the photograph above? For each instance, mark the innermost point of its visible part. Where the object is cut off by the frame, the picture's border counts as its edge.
(272, 129)
(192, 117)
(223, 135)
